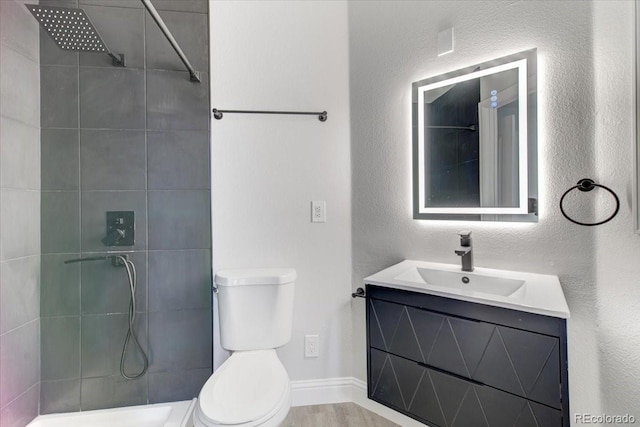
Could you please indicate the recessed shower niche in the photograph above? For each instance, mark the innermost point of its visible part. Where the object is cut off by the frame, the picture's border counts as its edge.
(475, 142)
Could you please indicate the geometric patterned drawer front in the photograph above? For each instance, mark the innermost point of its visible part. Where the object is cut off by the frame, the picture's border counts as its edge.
(520, 362)
(443, 400)
(523, 363)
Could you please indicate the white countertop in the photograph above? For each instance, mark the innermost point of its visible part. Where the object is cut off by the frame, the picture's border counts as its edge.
(540, 293)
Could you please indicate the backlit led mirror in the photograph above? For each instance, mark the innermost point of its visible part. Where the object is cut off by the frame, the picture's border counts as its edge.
(475, 142)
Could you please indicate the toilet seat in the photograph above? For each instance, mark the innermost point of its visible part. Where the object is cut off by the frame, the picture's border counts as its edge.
(249, 389)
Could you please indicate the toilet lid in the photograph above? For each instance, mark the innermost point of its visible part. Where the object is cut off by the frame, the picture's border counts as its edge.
(247, 387)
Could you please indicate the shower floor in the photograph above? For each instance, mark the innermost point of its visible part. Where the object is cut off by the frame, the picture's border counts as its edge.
(172, 414)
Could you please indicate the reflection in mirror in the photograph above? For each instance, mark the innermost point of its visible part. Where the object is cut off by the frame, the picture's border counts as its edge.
(474, 142)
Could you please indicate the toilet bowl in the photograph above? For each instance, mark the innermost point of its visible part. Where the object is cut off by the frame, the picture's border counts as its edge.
(251, 388)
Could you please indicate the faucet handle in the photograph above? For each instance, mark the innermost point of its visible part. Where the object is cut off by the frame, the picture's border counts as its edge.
(465, 238)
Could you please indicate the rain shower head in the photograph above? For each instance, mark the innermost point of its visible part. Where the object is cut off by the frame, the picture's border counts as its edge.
(71, 29)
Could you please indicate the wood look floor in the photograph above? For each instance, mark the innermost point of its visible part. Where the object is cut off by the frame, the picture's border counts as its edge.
(336, 415)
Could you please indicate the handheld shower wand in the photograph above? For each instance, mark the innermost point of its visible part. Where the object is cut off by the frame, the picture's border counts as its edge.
(122, 260)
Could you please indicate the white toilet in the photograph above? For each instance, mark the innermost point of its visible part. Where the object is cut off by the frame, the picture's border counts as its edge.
(251, 388)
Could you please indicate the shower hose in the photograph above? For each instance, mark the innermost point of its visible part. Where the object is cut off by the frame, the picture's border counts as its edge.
(131, 336)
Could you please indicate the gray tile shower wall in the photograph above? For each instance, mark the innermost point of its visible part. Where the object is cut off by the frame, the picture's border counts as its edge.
(133, 138)
(19, 215)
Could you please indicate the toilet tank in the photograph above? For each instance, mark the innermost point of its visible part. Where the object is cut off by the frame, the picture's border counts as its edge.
(255, 307)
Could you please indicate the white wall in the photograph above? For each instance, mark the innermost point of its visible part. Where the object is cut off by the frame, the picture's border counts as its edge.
(617, 249)
(293, 55)
(585, 130)
(282, 55)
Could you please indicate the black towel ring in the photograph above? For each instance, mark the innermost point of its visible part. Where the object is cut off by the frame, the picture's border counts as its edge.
(587, 184)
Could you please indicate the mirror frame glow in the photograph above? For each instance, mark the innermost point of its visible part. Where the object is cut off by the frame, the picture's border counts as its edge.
(520, 62)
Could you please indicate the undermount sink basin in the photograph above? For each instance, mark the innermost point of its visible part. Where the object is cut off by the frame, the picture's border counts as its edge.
(533, 293)
(464, 281)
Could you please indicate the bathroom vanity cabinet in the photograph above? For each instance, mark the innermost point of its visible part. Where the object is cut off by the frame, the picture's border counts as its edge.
(447, 362)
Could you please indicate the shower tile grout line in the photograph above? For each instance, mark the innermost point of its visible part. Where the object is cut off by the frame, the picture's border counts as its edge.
(79, 127)
(37, 319)
(128, 129)
(23, 393)
(146, 199)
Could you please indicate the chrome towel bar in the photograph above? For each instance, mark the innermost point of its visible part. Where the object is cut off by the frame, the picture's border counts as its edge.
(359, 293)
(322, 115)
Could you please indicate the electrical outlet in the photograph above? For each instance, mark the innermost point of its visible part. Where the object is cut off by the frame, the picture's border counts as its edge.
(311, 343)
(318, 211)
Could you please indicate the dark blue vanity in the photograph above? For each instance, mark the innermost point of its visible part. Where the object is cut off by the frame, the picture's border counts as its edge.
(447, 362)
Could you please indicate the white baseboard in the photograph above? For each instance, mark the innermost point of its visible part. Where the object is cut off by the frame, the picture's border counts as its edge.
(344, 389)
(321, 392)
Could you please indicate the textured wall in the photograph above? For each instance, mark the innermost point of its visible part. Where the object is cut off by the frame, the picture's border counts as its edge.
(134, 138)
(283, 55)
(585, 119)
(617, 249)
(19, 215)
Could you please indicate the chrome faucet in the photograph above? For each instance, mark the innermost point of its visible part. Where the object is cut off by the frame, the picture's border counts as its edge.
(465, 250)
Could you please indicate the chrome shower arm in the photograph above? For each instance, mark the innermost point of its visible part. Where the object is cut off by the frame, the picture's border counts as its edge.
(117, 59)
(116, 260)
(194, 75)
(90, 258)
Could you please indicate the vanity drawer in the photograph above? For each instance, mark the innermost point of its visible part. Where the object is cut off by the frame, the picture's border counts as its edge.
(442, 399)
(520, 362)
